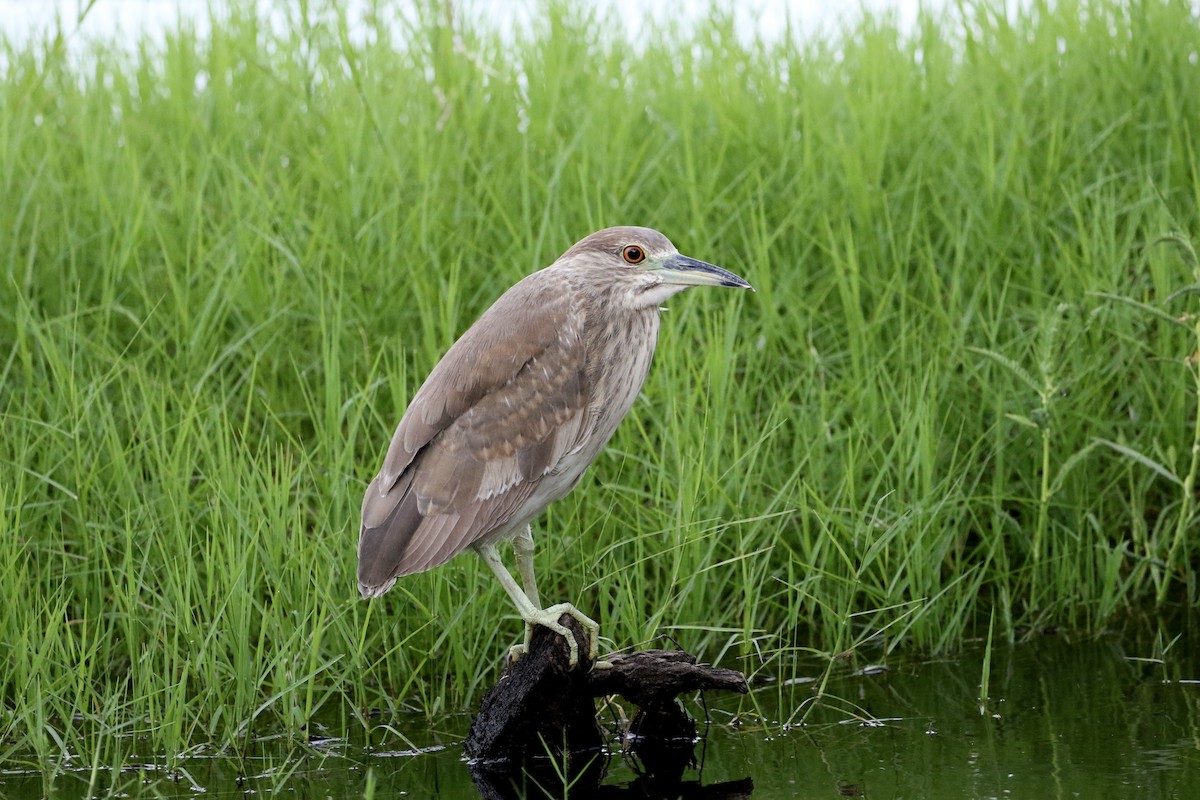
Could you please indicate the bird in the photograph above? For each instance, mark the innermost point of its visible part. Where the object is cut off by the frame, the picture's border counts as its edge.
(515, 412)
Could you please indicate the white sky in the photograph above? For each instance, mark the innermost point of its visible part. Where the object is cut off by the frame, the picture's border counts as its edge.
(123, 19)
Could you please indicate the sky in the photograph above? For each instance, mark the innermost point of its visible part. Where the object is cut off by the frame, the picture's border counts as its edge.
(123, 19)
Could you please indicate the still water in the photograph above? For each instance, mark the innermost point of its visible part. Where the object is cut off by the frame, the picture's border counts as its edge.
(1109, 718)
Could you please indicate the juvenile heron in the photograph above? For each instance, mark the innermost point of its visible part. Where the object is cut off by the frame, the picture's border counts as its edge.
(517, 409)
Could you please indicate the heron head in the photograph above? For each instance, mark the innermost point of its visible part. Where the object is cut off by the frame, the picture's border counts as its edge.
(648, 263)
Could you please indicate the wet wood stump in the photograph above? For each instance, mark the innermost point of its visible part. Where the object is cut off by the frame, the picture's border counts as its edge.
(544, 707)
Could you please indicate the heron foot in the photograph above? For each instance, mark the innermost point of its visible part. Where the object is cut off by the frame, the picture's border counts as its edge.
(515, 653)
(548, 618)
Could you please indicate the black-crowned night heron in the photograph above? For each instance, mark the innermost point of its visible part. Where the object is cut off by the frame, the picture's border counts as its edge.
(517, 409)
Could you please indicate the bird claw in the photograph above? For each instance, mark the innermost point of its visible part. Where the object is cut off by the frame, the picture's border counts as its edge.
(516, 652)
(548, 618)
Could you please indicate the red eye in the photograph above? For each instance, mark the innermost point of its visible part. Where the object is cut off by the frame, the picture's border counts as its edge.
(634, 254)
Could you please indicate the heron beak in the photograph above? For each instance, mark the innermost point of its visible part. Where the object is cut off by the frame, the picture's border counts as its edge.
(684, 271)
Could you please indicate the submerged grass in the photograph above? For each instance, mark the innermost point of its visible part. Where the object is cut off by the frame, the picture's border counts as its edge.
(965, 393)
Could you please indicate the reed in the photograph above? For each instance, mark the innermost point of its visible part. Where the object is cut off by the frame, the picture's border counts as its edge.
(961, 394)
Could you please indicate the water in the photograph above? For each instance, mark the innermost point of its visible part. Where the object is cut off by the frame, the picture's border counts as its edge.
(1094, 719)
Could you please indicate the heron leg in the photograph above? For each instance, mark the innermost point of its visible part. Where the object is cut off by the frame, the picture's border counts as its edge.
(523, 549)
(532, 615)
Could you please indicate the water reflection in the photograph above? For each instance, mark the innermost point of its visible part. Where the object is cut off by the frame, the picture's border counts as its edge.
(1114, 718)
(659, 746)
(547, 780)
(1063, 718)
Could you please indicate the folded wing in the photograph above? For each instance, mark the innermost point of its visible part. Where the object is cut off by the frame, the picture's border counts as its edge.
(493, 419)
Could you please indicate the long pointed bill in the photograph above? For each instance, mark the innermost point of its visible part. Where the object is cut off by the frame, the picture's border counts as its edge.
(684, 271)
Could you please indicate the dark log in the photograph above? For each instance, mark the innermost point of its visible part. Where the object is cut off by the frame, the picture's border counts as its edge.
(650, 676)
(542, 706)
(661, 735)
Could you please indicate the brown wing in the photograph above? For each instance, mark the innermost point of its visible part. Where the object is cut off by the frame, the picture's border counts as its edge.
(496, 415)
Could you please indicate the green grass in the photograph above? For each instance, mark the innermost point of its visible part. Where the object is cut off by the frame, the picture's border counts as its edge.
(966, 386)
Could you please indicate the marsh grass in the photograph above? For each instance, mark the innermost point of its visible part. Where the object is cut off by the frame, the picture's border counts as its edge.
(963, 399)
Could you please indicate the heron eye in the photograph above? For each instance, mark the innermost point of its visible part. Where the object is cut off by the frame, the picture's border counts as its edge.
(634, 254)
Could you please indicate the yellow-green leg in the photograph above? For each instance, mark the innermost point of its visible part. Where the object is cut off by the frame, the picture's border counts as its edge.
(526, 600)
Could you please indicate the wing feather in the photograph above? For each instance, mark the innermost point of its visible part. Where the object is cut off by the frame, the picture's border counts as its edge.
(496, 415)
